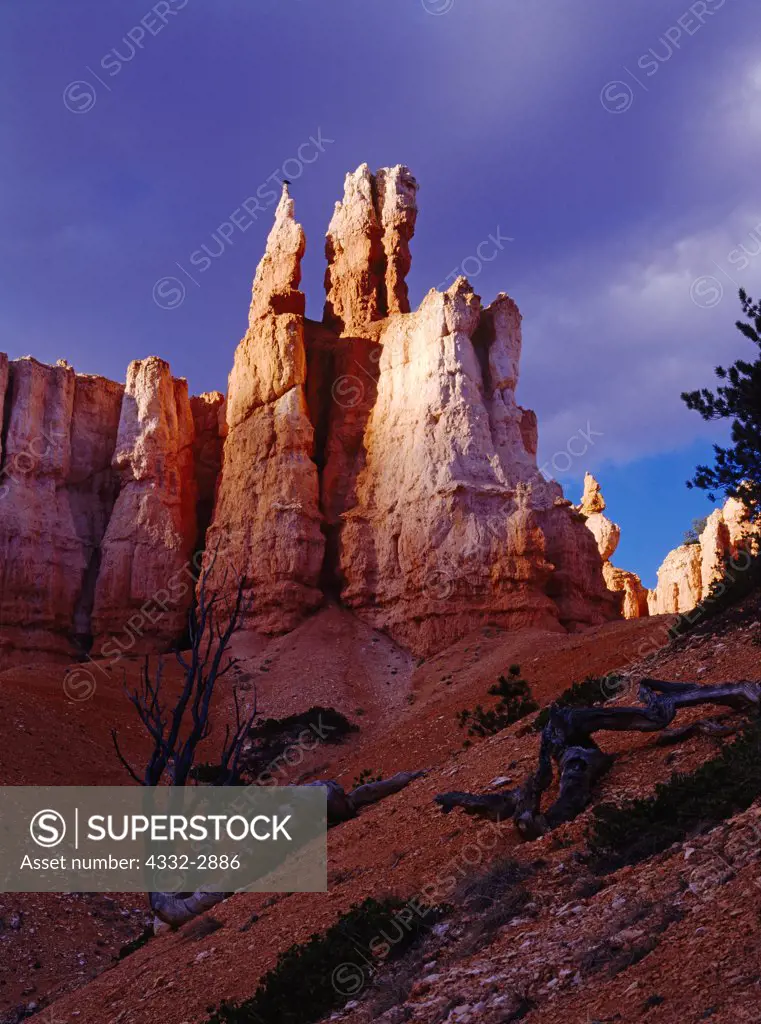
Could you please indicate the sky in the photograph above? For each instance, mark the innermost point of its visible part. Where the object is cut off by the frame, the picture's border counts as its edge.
(596, 160)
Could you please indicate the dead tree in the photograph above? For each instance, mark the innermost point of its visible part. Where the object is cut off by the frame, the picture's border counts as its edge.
(567, 742)
(177, 730)
(343, 806)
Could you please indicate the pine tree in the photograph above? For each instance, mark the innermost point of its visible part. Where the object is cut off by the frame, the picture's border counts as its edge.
(737, 469)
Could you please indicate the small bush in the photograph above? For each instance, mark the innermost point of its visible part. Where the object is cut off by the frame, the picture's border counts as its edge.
(131, 947)
(482, 891)
(692, 536)
(496, 896)
(515, 702)
(305, 985)
(591, 691)
(638, 829)
(365, 776)
(270, 738)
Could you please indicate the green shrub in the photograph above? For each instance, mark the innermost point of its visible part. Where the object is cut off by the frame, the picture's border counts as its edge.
(365, 776)
(305, 985)
(638, 829)
(515, 702)
(692, 536)
(131, 947)
(272, 737)
(493, 897)
(590, 692)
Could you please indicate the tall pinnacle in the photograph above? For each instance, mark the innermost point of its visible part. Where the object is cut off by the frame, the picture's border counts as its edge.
(277, 279)
(367, 247)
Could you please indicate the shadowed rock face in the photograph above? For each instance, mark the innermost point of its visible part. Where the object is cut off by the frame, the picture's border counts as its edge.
(379, 458)
(210, 423)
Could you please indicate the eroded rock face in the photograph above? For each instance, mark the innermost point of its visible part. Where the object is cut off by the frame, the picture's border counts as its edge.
(266, 521)
(56, 495)
(396, 200)
(634, 604)
(680, 584)
(434, 516)
(688, 572)
(145, 583)
(606, 533)
(92, 483)
(442, 521)
(592, 501)
(367, 248)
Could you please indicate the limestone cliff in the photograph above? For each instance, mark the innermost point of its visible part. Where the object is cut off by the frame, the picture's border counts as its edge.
(437, 519)
(367, 248)
(97, 510)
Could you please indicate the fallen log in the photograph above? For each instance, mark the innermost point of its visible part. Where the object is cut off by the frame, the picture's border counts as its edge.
(343, 806)
(175, 910)
(566, 741)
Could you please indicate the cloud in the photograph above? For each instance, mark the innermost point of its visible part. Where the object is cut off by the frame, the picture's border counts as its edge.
(612, 343)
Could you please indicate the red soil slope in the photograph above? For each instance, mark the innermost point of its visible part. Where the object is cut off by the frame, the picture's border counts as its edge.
(405, 845)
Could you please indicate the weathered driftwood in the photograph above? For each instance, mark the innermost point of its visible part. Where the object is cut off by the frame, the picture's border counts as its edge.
(175, 909)
(567, 741)
(716, 727)
(343, 806)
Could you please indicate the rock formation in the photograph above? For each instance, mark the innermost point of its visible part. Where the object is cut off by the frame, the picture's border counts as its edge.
(56, 494)
(431, 538)
(368, 248)
(92, 485)
(607, 535)
(379, 458)
(267, 519)
(687, 572)
(210, 423)
(97, 510)
(635, 603)
(145, 583)
(436, 517)
(679, 586)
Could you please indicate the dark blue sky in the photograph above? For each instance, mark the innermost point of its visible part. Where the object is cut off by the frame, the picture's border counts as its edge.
(615, 143)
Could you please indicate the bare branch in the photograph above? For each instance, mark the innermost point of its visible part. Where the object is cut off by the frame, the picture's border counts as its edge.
(124, 760)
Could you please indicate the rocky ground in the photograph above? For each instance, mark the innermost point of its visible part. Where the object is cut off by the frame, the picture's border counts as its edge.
(674, 938)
